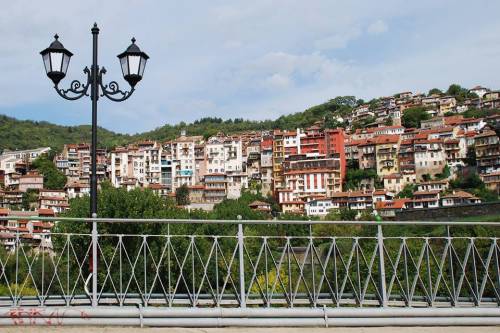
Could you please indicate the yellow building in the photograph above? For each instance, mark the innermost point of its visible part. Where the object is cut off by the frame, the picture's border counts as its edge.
(386, 153)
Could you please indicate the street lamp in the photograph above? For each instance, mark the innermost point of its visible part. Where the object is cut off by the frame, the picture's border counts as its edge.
(56, 61)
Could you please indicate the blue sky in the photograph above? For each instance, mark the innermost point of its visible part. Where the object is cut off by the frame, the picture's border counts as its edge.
(251, 59)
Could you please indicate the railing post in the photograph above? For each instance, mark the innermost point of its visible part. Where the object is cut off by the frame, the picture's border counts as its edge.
(94, 261)
(380, 242)
(243, 302)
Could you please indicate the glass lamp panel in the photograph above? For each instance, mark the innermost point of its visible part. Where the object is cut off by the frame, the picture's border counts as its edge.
(46, 62)
(142, 66)
(133, 63)
(65, 63)
(56, 59)
(124, 64)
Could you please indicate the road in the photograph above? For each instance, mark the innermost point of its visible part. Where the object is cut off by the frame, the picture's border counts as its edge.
(449, 329)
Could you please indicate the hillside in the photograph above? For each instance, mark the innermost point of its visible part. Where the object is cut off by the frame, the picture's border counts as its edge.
(25, 134)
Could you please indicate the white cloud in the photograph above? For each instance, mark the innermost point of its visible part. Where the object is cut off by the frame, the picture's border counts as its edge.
(277, 81)
(338, 41)
(378, 27)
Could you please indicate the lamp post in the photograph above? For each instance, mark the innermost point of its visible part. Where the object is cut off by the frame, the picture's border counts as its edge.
(56, 60)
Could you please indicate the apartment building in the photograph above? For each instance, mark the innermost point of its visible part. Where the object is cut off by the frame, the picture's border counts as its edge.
(253, 162)
(278, 159)
(30, 181)
(307, 178)
(266, 164)
(11, 199)
(386, 154)
(140, 164)
(456, 152)
(77, 190)
(430, 157)
(75, 162)
(224, 156)
(492, 181)
(55, 200)
(215, 187)
(184, 160)
(28, 155)
(367, 154)
(487, 146)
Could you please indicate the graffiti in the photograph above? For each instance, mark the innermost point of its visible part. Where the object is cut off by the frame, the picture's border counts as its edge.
(43, 316)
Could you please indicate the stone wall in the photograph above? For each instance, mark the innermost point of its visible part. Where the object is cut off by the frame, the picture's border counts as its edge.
(449, 213)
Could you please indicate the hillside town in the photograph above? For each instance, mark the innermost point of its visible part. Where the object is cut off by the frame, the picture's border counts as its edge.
(380, 166)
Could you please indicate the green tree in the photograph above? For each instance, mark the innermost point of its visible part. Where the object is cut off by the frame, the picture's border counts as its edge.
(182, 195)
(460, 93)
(434, 91)
(354, 177)
(229, 208)
(473, 183)
(412, 117)
(347, 214)
(30, 197)
(407, 191)
(53, 179)
(445, 174)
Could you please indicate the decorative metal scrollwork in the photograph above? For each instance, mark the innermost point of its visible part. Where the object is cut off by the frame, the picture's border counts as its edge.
(112, 90)
(76, 89)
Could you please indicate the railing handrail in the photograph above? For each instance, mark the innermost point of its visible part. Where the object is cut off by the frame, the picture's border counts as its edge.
(236, 221)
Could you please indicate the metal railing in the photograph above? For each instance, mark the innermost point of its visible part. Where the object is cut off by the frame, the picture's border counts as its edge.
(240, 272)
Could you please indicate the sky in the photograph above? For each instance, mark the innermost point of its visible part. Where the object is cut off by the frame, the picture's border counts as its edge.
(247, 59)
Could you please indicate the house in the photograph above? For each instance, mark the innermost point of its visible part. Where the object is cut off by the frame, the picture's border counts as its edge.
(447, 104)
(57, 200)
(360, 200)
(459, 198)
(318, 207)
(340, 200)
(382, 195)
(215, 187)
(388, 209)
(430, 157)
(471, 124)
(434, 122)
(405, 95)
(456, 152)
(294, 207)
(406, 157)
(386, 151)
(492, 181)
(196, 194)
(425, 199)
(479, 91)
(367, 154)
(77, 190)
(129, 183)
(491, 100)
(159, 189)
(487, 146)
(11, 199)
(30, 181)
(260, 206)
(393, 182)
(433, 185)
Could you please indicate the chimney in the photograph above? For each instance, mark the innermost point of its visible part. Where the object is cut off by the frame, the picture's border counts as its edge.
(183, 132)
